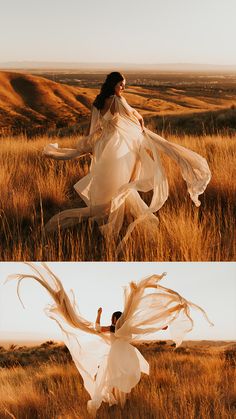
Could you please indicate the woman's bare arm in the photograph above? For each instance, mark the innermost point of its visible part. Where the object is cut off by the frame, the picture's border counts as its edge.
(98, 327)
(139, 117)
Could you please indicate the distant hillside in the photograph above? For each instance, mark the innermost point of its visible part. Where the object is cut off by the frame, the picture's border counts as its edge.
(36, 105)
(32, 103)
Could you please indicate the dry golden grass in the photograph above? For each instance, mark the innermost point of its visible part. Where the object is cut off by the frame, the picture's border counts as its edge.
(34, 188)
(189, 384)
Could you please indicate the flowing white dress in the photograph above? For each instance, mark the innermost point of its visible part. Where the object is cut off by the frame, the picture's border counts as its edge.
(125, 162)
(110, 365)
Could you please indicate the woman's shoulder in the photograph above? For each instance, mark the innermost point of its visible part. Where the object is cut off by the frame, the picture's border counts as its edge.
(109, 99)
(110, 102)
(112, 97)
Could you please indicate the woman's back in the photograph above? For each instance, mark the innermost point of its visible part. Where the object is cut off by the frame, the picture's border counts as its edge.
(109, 105)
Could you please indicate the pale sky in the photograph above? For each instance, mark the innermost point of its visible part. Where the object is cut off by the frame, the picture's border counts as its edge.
(129, 31)
(210, 285)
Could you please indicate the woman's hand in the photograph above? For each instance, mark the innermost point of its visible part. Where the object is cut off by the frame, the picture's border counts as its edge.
(97, 323)
(140, 118)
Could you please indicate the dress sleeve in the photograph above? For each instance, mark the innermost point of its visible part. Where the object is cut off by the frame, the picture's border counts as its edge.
(124, 104)
(84, 145)
(148, 307)
(64, 309)
(95, 120)
(87, 355)
(125, 110)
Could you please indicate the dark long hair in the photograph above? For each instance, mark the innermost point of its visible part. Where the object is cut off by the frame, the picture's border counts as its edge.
(115, 316)
(108, 88)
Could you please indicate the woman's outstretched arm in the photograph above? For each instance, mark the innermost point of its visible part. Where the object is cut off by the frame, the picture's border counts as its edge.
(98, 327)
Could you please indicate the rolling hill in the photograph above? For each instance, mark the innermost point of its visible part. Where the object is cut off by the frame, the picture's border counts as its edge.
(30, 102)
(34, 105)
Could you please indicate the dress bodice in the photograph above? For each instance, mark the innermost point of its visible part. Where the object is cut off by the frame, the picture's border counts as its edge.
(107, 115)
(106, 119)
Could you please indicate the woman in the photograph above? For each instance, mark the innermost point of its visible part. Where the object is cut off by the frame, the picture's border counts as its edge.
(110, 365)
(125, 363)
(125, 162)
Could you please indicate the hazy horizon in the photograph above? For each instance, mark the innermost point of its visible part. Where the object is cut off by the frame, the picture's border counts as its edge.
(6, 343)
(111, 66)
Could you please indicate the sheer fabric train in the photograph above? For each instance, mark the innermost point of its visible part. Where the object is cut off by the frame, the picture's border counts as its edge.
(110, 365)
(125, 160)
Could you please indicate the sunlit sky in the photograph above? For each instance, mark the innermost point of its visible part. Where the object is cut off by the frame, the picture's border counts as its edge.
(210, 285)
(130, 31)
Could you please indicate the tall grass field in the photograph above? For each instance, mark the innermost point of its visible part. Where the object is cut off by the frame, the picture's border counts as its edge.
(187, 383)
(34, 188)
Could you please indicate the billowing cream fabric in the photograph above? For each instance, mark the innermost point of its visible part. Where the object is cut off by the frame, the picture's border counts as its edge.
(110, 365)
(125, 160)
